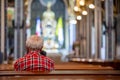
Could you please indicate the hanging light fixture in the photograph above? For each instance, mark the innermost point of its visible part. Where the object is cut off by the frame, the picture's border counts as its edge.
(82, 2)
(91, 6)
(79, 17)
(84, 12)
(76, 8)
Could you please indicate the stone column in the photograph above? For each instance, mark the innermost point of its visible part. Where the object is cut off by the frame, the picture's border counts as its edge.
(110, 35)
(2, 28)
(18, 34)
(81, 38)
(89, 25)
(77, 30)
(97, 24)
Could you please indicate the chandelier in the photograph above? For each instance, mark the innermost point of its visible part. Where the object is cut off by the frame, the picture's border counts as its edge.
(80, 7)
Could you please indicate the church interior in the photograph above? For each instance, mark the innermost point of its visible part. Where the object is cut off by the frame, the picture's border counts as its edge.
(81, 36)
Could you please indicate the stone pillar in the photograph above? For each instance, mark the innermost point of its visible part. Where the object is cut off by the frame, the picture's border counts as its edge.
(77, 30)
(89, 25)
(0, 24)
(82, 39)
(2, 28)
(78, 36)
(18, 34)
(110, 35)
(85, 36)
(97, 24)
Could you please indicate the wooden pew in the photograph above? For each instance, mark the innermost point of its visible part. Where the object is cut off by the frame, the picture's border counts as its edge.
(66, 66)
(70, 71)
(114, 64)
(61, 75)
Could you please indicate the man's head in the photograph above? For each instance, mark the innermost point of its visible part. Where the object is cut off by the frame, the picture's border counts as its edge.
(34, 42)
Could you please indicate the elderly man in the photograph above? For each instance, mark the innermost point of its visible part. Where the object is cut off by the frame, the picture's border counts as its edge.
(34, 60)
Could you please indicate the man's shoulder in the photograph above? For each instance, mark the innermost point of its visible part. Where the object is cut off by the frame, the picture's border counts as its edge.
(20, 59)
(49, 59)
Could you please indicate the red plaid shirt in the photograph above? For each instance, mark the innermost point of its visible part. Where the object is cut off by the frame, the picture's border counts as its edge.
(34, 61)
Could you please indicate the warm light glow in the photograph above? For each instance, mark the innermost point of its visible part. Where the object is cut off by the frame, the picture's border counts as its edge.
(84, 12)
(73, 21)
(82, 59)
(79, 17)
(90, 60)
(76, 8)
(91, 6)
(82, 2)
(26, 3)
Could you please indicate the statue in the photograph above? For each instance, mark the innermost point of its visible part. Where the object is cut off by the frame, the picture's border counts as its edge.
(49, 28)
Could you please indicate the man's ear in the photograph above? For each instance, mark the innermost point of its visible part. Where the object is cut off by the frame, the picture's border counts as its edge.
(41, 47)
(27, 49)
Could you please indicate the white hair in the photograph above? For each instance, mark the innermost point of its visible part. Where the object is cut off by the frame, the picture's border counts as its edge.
(34, 42)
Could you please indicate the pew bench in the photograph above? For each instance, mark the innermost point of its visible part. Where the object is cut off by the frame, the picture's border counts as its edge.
(61, 75)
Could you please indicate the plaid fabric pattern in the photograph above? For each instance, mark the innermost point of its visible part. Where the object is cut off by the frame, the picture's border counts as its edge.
(33, 61)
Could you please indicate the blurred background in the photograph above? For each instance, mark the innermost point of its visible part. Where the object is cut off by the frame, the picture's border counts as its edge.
(73, 30)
